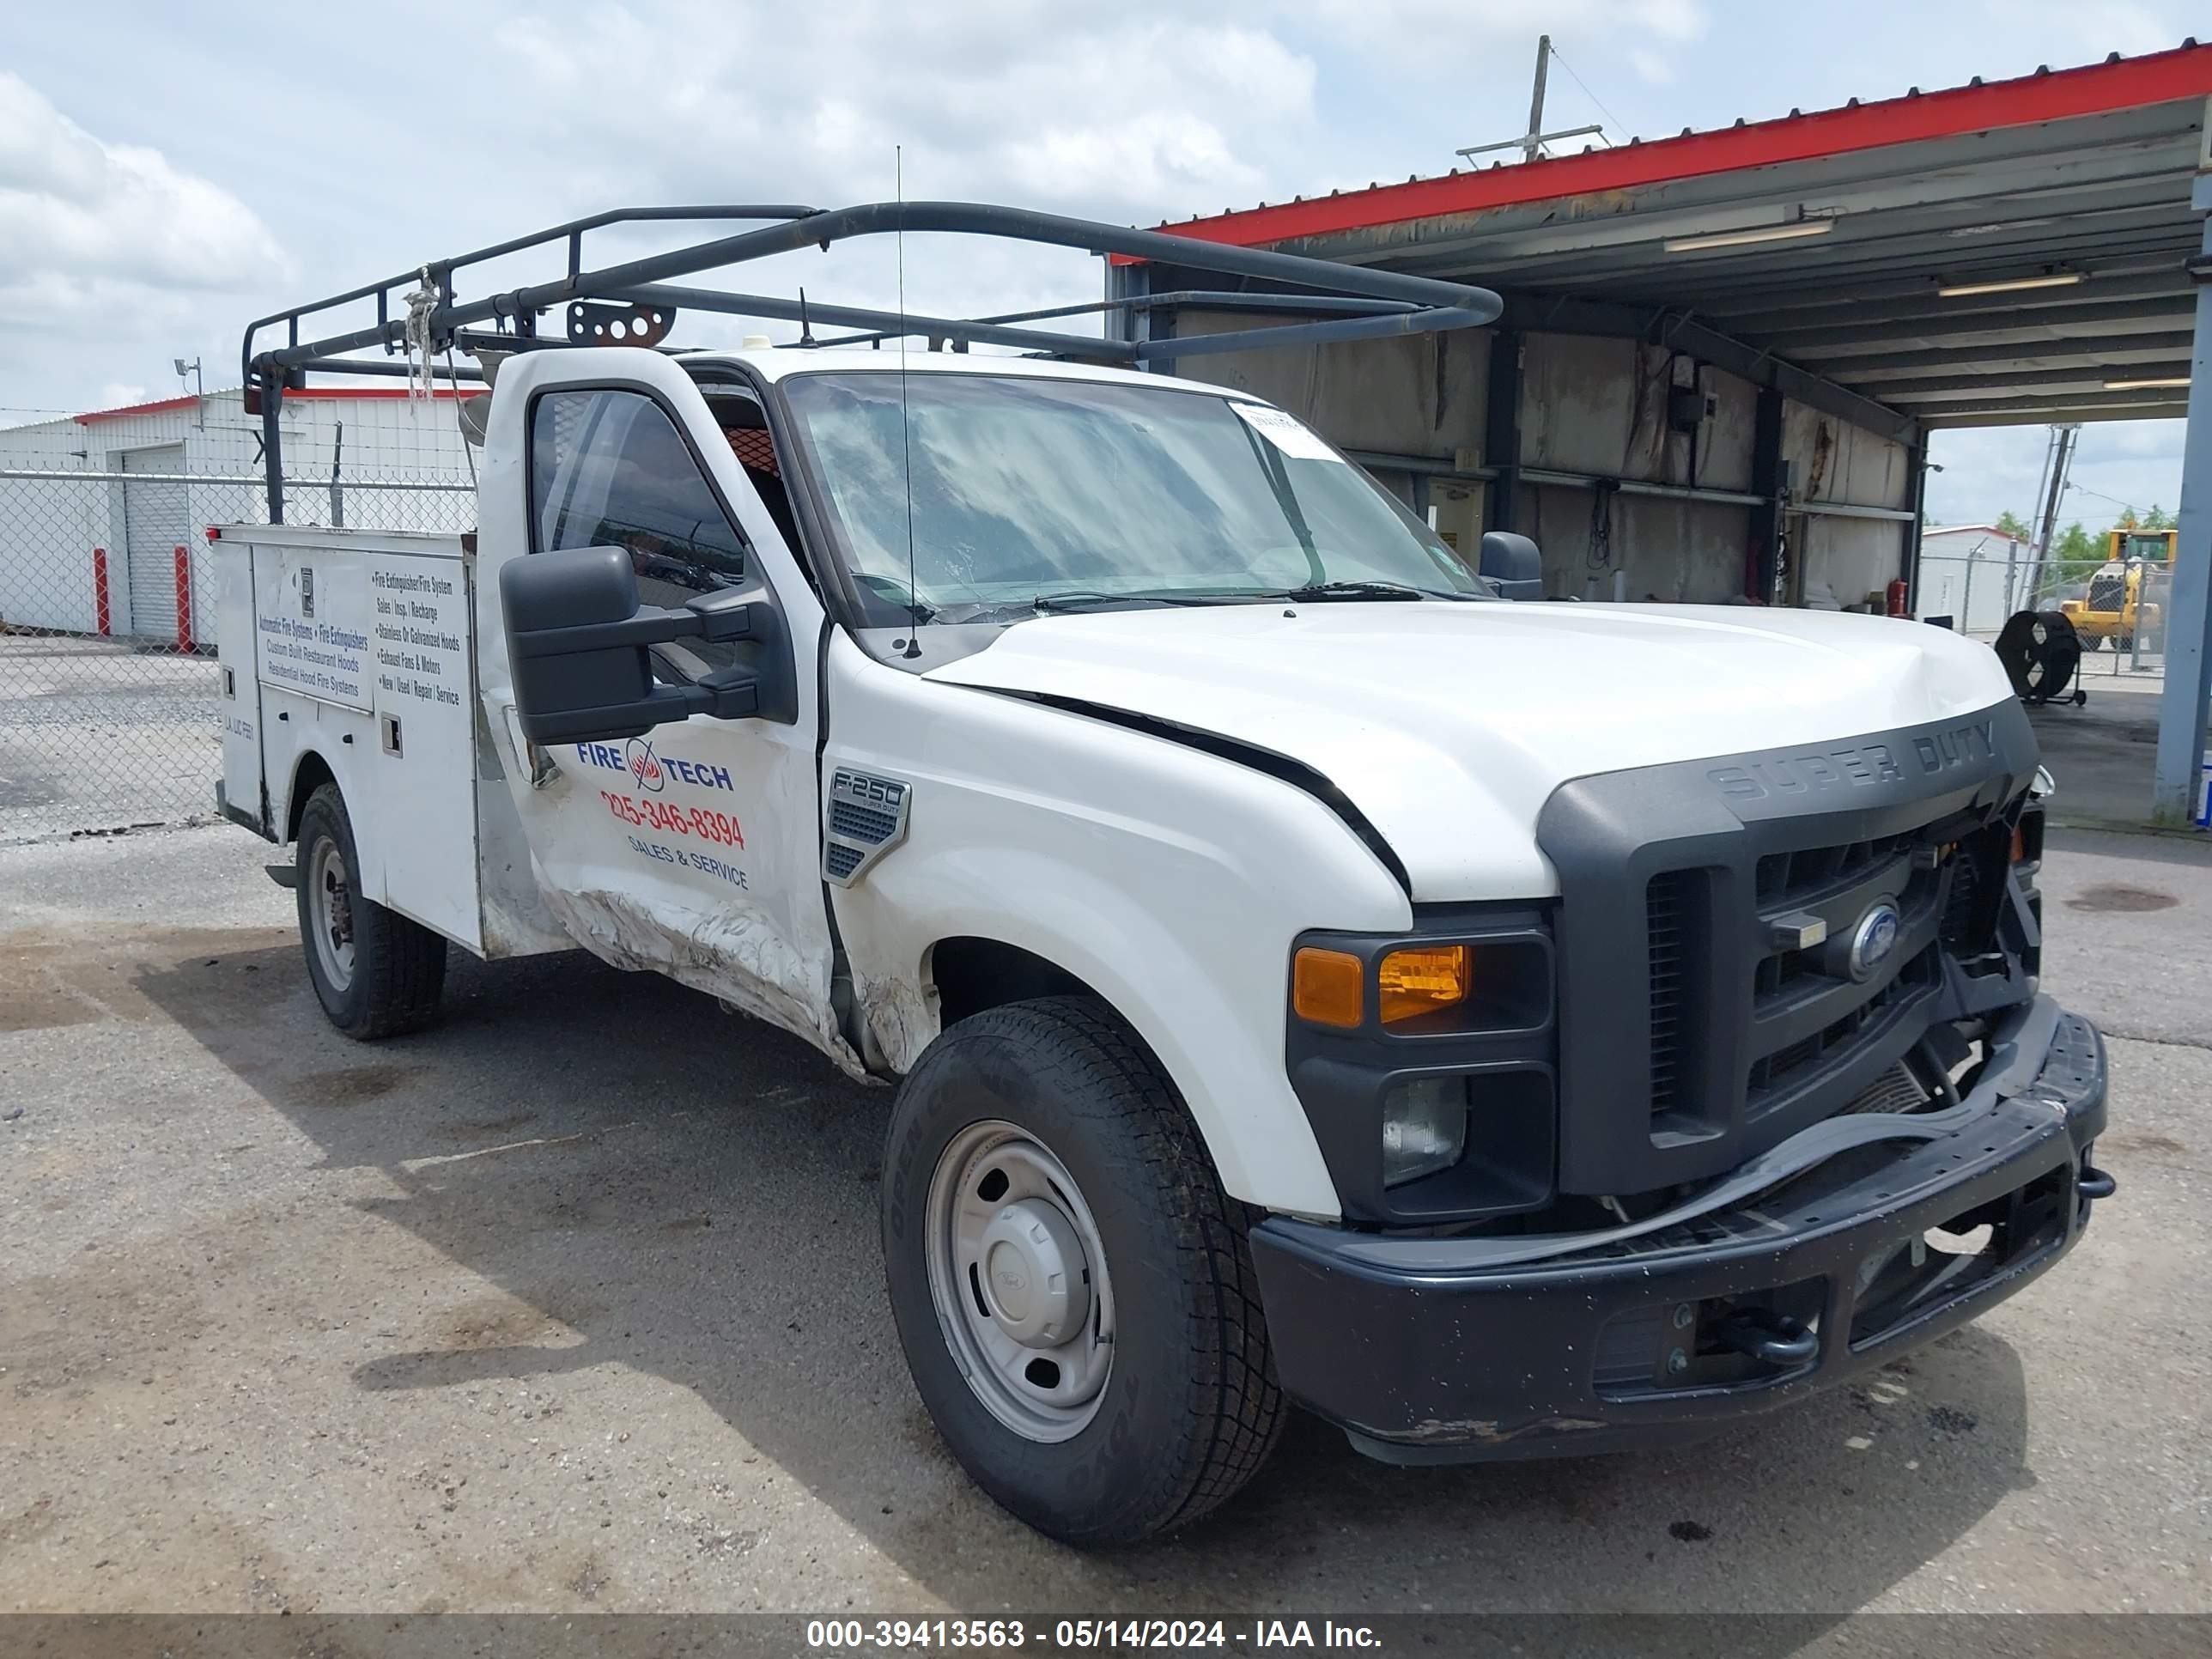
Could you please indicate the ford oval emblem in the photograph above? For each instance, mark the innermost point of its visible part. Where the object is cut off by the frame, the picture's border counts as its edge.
(1872, 939)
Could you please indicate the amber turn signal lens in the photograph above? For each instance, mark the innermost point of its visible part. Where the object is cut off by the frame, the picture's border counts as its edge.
(2018, 844)
(1325, 986)
(1423, 980)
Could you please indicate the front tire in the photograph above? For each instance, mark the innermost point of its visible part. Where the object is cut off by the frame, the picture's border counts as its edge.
(1072, 1287)
(376, 973)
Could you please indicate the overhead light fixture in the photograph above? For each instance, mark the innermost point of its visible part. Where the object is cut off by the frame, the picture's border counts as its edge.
(1746, 237)
(2146, 386)
(2011, 285)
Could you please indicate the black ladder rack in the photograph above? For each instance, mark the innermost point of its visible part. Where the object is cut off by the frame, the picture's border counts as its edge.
(1351, 302)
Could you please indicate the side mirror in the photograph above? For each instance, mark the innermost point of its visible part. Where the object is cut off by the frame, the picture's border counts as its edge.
(1513, 565)
(577, 639)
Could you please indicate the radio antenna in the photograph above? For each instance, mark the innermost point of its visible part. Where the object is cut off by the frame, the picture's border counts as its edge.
(906, 439)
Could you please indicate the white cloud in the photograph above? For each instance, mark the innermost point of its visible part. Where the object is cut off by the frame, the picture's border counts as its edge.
(1654, 69)
(1387, 24)
(74, 209)
(2121, 26)
(1986, 472)
(1116, 112)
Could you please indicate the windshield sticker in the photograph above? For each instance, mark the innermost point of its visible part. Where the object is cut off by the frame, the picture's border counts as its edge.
(1292, 437)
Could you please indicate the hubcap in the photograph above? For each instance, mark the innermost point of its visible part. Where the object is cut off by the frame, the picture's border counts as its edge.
(1033, 1273)
(329, 914)
(1018, 1278)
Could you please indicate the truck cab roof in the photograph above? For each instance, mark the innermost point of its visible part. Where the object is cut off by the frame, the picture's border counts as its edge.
(772, 363)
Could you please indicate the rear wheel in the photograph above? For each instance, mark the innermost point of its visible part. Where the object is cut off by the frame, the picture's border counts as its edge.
(376, 973)
(1072, 1287)
(2093, 641)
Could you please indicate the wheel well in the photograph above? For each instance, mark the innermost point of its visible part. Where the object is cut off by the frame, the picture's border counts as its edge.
(310, 774)
(973, 973)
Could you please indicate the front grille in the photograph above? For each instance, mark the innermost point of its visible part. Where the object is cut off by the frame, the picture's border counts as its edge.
(1781, 875)
(1809, 1017)
(1708, 1008)
(1772, 1076)
(1813, 1030)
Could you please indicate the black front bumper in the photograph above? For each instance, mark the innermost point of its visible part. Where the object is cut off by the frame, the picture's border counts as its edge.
(1428, 1349)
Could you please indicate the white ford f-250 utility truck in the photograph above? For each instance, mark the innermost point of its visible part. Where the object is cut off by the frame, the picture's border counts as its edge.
(1307, 976)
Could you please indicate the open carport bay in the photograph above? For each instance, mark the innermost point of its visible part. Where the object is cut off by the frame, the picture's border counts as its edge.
(1725, 356)
(575, 1302)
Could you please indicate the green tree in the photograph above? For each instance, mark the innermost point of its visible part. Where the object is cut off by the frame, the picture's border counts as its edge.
(2158, 519)
(2011, 524)
(2074, 553)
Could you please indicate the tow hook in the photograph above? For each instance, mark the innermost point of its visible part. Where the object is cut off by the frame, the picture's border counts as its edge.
(1775, 1338)
(2095, 1183)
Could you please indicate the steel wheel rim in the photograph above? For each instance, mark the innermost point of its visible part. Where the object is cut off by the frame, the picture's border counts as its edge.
(329, 914)
(1043, 1378)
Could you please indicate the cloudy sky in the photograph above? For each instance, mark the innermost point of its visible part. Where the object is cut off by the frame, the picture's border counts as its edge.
(171, 170)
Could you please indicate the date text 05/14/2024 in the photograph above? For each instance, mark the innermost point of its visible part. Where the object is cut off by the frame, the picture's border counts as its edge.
(1082, 1635)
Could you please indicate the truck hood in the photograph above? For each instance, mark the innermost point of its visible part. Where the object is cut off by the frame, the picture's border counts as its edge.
(1449, 725)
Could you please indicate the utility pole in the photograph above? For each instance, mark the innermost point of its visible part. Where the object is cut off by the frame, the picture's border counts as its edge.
(1531, 143)
(2058, 458)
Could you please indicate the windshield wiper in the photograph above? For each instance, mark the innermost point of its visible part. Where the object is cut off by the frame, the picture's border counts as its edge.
(1360, 590)
(1085, 599)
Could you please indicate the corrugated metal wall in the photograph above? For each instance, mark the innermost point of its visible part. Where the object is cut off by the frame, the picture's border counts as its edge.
(1595, 407)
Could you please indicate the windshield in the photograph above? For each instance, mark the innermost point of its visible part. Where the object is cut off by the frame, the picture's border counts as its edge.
(1079, 492)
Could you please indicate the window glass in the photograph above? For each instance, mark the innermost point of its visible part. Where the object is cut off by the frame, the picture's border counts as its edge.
(996, 491)
(608, 469)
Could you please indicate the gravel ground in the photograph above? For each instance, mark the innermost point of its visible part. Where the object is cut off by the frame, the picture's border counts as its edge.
(95, 735)
(575, 1304)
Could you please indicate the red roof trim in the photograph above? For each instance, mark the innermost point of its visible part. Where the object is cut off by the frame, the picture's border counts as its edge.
(2053, 95)
(312, 395)
(88, 418)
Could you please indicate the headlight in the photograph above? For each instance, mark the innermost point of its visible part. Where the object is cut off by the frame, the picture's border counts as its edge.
(1424, 1127)
(1424, 978)
(1426, 990)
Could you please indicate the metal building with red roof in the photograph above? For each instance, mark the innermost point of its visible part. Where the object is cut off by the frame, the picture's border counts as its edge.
(1723, 352)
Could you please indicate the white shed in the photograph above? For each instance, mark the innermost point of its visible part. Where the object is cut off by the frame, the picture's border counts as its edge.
(103, 514)
(1975, 574)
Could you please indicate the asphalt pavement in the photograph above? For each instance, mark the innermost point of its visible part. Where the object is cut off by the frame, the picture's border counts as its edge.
(575, 1304)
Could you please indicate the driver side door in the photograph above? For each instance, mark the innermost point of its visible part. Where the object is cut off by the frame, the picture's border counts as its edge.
(692, 848)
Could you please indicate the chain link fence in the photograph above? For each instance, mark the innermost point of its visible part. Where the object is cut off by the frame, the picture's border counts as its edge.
(2118, 609)
(2120, 621)
(108, 636)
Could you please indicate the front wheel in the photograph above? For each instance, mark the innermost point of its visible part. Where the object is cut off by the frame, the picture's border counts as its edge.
(376, 973)
(1072, 1287)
